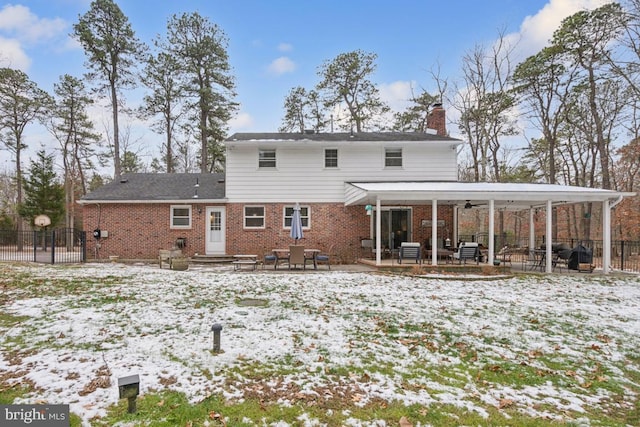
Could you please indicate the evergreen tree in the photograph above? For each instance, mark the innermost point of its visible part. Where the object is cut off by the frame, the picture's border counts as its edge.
(113, 51)
(346, 82)
(200, 49)
(44, 195)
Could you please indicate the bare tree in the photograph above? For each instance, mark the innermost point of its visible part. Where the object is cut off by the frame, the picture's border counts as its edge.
(485, 103)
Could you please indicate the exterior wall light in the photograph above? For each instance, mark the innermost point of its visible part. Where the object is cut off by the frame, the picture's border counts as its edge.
(368, 208)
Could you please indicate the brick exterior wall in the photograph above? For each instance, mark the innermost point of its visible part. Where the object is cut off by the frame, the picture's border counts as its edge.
(139, 231)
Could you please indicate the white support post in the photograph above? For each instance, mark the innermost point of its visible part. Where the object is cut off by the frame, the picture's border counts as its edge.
(378, 233)
(491, 231)
(548, 239)
(434, 232)
(606, 237)
(532, 231)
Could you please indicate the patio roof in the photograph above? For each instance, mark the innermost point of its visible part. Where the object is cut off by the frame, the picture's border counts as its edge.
(512, 196)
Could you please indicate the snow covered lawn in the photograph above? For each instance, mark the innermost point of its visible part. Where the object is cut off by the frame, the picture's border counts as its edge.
(554, 347)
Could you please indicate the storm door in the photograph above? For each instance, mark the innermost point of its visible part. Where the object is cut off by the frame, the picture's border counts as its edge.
(215, 229)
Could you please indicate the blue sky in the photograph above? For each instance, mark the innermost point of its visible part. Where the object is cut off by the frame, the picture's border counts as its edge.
(275, 45)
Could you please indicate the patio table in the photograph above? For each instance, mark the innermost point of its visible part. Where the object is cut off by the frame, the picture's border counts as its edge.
(283, 254)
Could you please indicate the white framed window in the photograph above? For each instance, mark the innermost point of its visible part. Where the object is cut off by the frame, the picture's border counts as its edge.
(253, 217)
(304, 216)
(180, 216)
(393, 157)
(330, 157)
(267, 158)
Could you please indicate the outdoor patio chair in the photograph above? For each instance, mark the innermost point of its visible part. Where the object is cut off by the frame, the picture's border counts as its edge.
(504, 255)
(468, 251)
(562, 259)
(410, 250)
(296, 256)
(270, 258)
(324, 258)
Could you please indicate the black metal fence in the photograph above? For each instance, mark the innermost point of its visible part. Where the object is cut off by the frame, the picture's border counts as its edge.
(625, 255)
(61, 245)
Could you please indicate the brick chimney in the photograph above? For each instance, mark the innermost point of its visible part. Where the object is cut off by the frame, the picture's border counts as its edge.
(436, 120)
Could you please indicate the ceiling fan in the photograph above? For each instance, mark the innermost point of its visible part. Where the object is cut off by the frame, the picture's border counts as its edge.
(470, 205)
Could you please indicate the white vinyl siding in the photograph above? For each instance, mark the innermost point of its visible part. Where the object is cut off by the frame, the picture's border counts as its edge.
(302, 177)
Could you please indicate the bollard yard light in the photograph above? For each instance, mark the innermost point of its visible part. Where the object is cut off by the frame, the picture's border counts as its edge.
(216, 328)
(129, 388)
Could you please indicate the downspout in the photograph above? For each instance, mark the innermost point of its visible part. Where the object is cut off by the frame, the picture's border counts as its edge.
(378, 231)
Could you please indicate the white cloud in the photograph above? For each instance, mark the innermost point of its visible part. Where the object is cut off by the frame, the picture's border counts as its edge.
(241, 122)
(397, 94)
(12, 55)
(285, 47)
(20, 28)
(19, 22)
(281, 65)
(536, 30)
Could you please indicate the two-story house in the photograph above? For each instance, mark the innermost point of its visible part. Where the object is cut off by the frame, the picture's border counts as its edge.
(388, 187)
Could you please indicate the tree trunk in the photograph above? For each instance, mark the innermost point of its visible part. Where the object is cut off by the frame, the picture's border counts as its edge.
(117, 171)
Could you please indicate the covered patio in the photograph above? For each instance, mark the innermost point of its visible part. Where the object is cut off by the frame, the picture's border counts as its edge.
(495, 196)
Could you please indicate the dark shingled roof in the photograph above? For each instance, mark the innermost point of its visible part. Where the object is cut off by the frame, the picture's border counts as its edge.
(161, 186)
(342, 136)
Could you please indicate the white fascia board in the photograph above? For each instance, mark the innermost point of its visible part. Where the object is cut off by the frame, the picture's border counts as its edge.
(522, 193)
(141, 202)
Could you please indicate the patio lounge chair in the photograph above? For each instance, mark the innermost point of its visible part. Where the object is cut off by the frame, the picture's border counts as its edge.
(468, 251)
(410, 250)
(296, 256)
(324, 258)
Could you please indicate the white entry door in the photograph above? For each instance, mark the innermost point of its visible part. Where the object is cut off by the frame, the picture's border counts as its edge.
(215, 225)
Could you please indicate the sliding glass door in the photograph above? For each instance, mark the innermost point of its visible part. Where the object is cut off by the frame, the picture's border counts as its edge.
(395, 227)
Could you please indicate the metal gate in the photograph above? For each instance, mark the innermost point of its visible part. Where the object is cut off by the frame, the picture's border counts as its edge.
(61, 245)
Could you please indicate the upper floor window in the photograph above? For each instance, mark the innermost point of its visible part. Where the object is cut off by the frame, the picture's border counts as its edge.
(267, 158)
(254, 217)
(392, 157)
(304, 216)
(331, 158)
(180, 216)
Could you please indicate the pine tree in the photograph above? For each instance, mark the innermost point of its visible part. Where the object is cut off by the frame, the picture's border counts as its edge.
(44, 195)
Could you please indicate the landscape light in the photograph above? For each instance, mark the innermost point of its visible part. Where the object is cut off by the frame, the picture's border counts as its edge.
(129, 388)
(216, 328)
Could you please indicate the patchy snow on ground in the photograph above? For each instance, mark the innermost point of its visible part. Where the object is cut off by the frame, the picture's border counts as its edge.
(394, 334)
